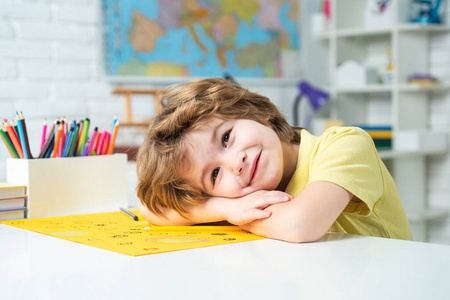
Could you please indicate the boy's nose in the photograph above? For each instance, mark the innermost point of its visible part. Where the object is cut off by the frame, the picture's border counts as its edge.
(240, 163)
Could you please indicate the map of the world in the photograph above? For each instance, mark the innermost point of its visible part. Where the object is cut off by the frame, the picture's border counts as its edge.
(199, 37)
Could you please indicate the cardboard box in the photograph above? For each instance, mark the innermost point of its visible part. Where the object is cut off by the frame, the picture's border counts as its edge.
(75, 185)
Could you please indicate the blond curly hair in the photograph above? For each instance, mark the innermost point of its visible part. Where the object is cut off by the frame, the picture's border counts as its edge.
(163, 154)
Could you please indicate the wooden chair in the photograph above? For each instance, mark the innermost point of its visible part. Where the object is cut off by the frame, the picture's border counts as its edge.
(129, 92)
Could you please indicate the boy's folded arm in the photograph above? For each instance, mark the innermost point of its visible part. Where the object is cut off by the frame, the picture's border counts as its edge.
(307, 217)
(237, 211)
(209, 211)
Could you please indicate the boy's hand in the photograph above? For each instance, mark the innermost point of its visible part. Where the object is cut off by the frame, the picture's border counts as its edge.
(251, 207)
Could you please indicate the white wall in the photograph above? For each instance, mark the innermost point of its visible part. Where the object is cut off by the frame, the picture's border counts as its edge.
(439, 166)
(51, 66)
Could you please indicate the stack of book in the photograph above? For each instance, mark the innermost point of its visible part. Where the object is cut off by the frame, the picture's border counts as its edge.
(423, 80)
(381, 135)
(13, 202)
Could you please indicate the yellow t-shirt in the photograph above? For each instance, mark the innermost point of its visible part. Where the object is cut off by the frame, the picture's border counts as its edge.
(347, 157)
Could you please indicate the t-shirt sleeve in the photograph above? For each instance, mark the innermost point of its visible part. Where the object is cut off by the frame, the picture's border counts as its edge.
(347, 157)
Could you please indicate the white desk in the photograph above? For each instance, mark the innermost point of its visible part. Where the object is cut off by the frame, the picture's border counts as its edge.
(35, 266)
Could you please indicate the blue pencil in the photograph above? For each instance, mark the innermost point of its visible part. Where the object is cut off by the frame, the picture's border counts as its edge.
(67, 144)
(22, 137)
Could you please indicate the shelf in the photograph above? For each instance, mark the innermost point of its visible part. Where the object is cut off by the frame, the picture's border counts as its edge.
(362, 32)
(426, 215)
(166, 81)
(414, 27)
(417, 88)
(392, 154)
(380, 88)
(373, 88)
(365, 32)
(357, 32)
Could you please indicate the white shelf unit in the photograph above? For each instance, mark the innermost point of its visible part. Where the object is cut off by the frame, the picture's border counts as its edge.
(348, 38)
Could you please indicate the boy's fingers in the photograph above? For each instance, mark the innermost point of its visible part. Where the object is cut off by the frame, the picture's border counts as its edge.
(261, 214)
(275, 200)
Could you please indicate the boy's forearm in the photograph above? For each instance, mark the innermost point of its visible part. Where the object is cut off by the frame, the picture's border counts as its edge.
(211, 210)
(307, 217)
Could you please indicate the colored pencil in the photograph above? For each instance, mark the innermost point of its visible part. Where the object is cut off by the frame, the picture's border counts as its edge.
(84, 135)
(85, 149)
(74, 141)
(14, 140)
(78, 137)
(50, 141)
(48, 154)
(107, 142)
(102, 143)
(63, 138)
(47, 140)
(8, 144)
(49, 146)
(92, 142)
(16, 130)
(97, 142)
(66, 128)
(57, 140)
(113, 139)
(22, 138)
(21, 120)
(44, 132)
(67, 143)
(114, 123)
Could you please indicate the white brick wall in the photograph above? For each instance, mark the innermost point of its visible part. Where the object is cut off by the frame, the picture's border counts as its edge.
(51, 66)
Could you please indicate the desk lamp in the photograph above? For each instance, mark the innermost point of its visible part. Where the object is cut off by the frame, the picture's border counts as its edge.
(316, 99)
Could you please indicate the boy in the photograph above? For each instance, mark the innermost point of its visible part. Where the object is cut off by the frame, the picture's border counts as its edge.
(219, 152)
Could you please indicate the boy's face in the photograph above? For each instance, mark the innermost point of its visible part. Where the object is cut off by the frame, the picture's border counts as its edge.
(232, 158)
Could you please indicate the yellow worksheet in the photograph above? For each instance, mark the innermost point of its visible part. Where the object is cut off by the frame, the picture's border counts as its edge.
(117, 232)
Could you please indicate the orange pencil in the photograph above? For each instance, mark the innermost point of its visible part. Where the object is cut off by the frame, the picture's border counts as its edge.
(57, 140)
(14, 140)
(113, 139)
(8, 144)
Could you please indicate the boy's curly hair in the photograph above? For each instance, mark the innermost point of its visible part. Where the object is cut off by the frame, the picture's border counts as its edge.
(183, 108)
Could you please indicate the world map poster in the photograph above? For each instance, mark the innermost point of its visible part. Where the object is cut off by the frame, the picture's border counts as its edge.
(200, 38)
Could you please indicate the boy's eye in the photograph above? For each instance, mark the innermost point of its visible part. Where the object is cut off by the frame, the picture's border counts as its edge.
(214, 175)
(225, 138)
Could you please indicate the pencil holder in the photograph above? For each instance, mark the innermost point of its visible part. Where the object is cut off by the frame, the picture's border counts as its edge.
(76, 185)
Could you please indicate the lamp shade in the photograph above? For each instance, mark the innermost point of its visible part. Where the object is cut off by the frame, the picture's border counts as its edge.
(317, 98)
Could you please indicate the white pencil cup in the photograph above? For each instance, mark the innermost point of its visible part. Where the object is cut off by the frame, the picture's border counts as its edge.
(75, 185)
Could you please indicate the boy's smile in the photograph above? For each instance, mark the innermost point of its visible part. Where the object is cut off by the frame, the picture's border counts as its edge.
(232, 158)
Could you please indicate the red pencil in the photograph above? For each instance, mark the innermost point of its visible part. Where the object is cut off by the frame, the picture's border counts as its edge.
(91, 144)
(14, 140)
(102, 143)
(107, 141)
(97, 142)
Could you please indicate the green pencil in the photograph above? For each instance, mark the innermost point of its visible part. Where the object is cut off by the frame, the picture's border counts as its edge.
(84, 135)
(8, 143)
